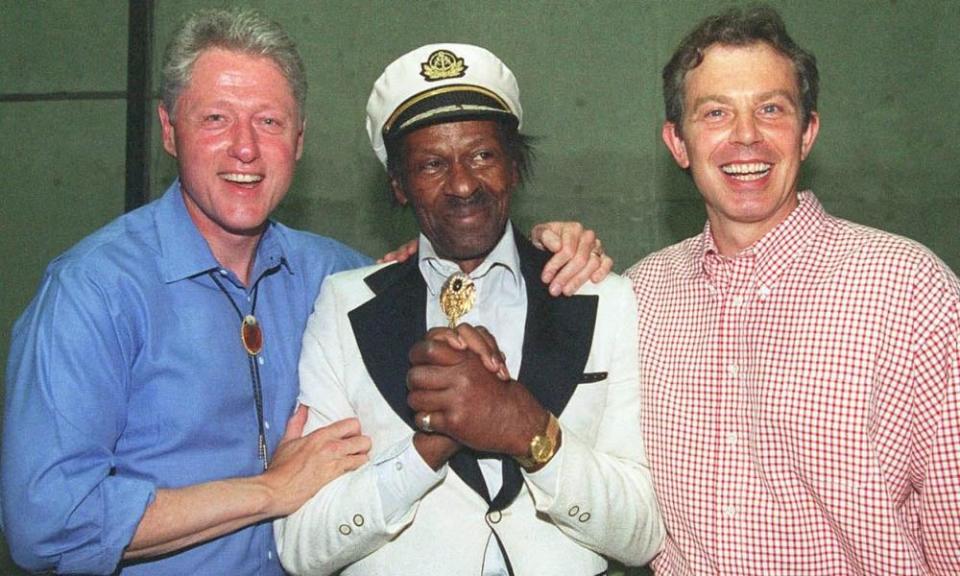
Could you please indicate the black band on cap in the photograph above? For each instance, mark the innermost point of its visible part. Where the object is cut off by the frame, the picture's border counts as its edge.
(453, 102)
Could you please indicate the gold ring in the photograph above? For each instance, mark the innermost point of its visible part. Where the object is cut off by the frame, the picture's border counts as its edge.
(425, 423)
(598, 252)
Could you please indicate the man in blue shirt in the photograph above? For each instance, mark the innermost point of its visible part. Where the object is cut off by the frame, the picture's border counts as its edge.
(150, 378)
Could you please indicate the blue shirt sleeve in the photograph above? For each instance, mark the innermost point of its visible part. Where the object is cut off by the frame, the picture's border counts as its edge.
(64, 506)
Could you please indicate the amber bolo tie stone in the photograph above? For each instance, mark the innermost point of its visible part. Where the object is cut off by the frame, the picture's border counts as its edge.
(251, 335)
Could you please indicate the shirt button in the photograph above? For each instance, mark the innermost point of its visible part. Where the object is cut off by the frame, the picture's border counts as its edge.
(738, 301)
(398, 466)
(223, 272)
(733, 369)
(732, 438)
(266, 424)
(269, 554)
(730, 511)
(494, 516)
(260, 360)
(763, 292)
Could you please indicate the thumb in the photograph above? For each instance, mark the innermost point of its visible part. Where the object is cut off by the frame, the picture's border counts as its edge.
(295, 424)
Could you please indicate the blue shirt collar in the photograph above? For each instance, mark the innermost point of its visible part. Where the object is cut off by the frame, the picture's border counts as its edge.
(184, 252)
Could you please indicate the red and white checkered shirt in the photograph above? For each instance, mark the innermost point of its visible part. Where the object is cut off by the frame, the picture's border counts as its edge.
(802, 402)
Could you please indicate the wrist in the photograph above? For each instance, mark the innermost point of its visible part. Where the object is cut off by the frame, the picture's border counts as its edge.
(542, 447)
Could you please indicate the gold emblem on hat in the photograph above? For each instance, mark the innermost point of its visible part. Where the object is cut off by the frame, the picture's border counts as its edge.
(442, 64)
(457, 297)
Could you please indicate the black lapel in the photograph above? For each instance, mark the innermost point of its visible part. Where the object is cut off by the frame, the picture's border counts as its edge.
(556, 343)
(386, 327)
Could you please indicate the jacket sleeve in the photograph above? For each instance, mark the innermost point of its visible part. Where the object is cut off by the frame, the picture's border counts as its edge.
(600, 493)
(347, 519)
(63, 507)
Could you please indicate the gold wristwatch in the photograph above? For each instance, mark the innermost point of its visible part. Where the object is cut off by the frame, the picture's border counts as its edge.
(543, 446)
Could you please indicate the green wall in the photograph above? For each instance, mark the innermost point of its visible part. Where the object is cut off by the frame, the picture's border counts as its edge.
(589, 77)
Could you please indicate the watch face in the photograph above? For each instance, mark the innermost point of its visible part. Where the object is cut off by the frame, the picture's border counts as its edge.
(541, 449)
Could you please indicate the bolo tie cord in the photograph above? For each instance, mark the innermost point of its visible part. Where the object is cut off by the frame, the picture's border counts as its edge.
(252, 363)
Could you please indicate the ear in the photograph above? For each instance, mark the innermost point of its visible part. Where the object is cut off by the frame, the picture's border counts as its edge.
(303, 128)
(809, 135)
(398, 192)
(169, 132)
(675, 144)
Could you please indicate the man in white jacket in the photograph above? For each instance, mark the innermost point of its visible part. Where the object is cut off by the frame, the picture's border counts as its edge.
(529, 464)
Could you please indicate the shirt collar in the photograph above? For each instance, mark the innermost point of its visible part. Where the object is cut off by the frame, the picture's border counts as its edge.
(184, 252)
(777, 248)
(436, 270)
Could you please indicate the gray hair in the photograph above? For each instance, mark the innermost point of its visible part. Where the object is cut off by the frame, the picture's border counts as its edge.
(245, 31)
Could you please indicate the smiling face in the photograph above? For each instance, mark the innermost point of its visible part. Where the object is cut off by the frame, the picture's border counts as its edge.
(743, 140)
(459, 178)
(237, 137)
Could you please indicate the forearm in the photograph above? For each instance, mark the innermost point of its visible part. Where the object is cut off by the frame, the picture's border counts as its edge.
(181, 517)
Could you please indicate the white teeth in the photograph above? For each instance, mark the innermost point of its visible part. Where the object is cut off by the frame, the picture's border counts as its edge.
(748, 171)
(242, 178)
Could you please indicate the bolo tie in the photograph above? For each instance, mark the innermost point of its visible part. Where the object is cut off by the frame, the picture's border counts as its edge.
(251, 336)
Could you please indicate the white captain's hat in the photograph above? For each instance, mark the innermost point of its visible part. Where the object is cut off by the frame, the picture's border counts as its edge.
(439, 83)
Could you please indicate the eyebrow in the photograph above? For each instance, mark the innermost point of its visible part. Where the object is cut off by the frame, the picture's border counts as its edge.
(762, 96)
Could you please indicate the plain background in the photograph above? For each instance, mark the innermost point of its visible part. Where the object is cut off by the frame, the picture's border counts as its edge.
(589, 74)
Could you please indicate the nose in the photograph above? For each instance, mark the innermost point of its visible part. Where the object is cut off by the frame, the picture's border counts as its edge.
(745, 130)
(244, 145)
(462, 181)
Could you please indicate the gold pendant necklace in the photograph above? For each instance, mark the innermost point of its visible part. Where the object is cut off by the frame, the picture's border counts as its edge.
(457, 297)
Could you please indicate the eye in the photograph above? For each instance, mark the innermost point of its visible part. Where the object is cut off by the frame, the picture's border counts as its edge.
(430, 165)
(771, 109)
(715, 114)
(485, 155)
(214, 117)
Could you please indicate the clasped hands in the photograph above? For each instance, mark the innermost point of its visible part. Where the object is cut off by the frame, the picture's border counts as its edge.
(460, 384)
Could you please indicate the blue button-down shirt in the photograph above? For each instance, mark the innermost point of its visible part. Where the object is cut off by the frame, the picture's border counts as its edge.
(127, 374)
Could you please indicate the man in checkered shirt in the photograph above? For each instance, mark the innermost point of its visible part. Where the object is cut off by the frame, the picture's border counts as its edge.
(800, 373)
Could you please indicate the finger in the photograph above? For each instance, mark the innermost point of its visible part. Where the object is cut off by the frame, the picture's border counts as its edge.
(606, 266)
(562, 254)
(428, 400)
(448, 335)
(354, 445)
(346, 428)
(295, 424)
(401, 254)
(428, 378)
(426, 352)
(579, 260)
(437, 422)
(543, 236)
(352, 462)
(480, 341)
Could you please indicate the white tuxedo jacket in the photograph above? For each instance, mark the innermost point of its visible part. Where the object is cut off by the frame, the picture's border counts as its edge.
(579, 360)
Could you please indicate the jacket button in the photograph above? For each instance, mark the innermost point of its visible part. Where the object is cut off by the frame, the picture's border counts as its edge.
(494, 516)
(357, 520)
(345, 529)
(574, 510)
(584, 517)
